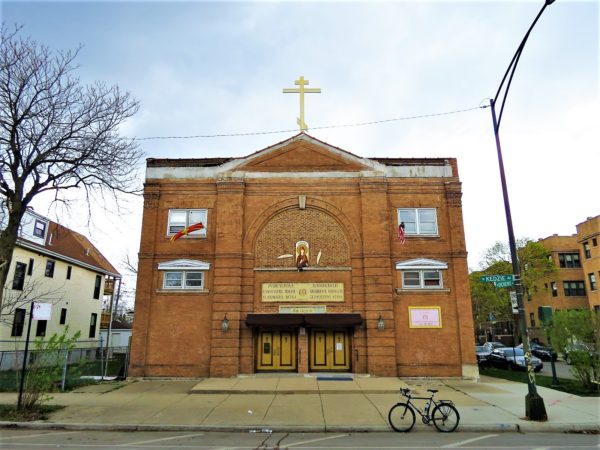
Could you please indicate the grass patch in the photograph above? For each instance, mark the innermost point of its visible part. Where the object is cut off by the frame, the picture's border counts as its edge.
(11, 414)
(9, 379)
(565, 385)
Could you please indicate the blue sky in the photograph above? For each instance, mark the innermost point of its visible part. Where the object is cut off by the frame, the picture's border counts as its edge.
(218, 68)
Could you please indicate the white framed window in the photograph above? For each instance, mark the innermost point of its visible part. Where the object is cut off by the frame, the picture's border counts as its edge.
(422, 273)
(183, 280)
(39, 228)
(183, 218)
(420, 221)
(184, 274)
(422, 279)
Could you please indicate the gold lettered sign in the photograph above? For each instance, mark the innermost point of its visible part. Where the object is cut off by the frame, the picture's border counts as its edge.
(299, 309)
(303, 292)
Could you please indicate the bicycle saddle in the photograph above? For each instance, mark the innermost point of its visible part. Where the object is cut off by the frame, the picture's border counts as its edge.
(433, 391)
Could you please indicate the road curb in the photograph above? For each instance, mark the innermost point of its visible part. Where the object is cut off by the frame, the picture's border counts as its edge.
(523, 427)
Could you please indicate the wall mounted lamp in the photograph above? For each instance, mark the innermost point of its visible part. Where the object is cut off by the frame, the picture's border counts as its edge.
(380, 323)
(225, 323)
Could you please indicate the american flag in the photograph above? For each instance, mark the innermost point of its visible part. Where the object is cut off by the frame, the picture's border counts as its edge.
(401, 234)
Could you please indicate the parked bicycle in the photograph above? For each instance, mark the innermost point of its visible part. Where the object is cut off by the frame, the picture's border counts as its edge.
(444, 414)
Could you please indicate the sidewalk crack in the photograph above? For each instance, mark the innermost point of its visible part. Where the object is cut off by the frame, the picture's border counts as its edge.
(215, 407)
(322, 408)
(384, 418)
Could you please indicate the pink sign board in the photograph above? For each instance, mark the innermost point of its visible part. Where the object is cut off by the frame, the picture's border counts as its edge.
(425, 317)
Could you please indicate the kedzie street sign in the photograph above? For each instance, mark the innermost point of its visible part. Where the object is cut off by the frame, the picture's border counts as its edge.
(497, 279)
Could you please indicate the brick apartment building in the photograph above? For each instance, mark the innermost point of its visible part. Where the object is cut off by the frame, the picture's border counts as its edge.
(300, 267)
(575, 284)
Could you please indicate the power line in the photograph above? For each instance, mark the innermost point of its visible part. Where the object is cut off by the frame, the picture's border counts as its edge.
(358, 124)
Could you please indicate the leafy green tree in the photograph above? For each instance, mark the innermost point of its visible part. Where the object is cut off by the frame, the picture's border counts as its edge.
(578, 326)
(488, 301)
(46, 369)
(535, 264)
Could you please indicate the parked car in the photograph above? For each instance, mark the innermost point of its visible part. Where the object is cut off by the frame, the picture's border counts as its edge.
(513, 358)
(492, 345)
(541, 351)
(482, 354)
(576, 347)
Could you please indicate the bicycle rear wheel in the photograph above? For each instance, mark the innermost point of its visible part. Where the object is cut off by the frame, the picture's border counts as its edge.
(445, 417)
(401, 417)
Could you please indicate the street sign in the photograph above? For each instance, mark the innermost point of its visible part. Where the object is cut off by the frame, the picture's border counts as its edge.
(513, 301)
(496, 278)
(501, 284)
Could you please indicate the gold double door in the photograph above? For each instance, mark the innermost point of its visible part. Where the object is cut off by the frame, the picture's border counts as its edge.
(276, 350)
(329, 350)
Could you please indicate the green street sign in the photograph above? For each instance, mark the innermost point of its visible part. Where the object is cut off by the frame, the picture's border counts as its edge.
(496, 278)
(501, 284)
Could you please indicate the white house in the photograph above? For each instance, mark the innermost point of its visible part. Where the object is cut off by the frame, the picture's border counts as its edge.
(58, 266)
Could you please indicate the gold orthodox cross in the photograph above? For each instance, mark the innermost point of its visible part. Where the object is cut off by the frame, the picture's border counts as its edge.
(301, 90)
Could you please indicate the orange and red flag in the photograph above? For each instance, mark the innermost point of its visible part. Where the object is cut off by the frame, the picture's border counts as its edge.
(185, 231)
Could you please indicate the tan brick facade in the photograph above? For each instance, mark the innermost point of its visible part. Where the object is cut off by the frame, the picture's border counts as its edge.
(345, 209)
(550, 293)
(588, 237)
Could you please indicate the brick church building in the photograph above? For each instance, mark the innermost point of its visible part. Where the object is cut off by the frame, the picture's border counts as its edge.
(301, 266)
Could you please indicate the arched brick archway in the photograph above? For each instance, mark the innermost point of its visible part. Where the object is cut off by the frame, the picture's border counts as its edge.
(323, 225)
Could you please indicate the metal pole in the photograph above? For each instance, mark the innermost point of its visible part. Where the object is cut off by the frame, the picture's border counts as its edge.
(112, 298)
(555, 381)
(64, 374)
(101, 356)
(25, 357)
(534, 404)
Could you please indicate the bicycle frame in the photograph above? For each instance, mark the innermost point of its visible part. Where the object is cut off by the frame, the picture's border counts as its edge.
(425, 415)
(442, 413)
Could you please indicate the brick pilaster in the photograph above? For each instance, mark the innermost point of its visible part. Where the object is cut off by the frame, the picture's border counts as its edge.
(381, 344)
(143, 293)
(227, 281)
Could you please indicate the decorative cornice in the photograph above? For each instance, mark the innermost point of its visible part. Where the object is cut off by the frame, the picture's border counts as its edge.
(184, 264)
(151, 199)
(421, 264)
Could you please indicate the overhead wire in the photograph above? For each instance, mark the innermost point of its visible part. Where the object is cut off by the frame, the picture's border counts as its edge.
(324, 127)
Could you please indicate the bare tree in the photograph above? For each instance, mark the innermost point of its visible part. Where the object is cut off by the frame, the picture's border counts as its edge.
(32, 290)
(57, 134)
(130, 265)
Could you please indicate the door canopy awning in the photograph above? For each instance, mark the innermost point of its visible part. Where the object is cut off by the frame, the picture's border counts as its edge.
(303, 320)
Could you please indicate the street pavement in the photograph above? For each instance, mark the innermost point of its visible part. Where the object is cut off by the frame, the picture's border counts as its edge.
(303, 403)
(563, 370)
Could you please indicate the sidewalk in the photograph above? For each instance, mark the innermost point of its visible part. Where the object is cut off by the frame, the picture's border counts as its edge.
(302, 403)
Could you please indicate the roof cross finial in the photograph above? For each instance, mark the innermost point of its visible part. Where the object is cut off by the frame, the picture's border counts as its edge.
(301, 90)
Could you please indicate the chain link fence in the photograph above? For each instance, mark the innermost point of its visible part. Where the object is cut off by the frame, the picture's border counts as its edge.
(86, 364)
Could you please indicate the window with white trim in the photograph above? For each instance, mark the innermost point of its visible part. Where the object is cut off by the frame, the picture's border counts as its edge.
(183, 280)
(422, 273)
(39, 228)
(183, 218)
(422, 279)
(420, 221)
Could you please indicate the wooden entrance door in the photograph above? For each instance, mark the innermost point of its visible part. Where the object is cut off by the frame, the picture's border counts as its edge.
(329, 350)
(276, 350)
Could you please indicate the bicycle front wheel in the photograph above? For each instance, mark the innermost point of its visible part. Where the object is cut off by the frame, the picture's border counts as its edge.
(401, 417)
(445, 417)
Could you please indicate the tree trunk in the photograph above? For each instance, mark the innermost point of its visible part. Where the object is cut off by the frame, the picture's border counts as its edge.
(8, 241)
